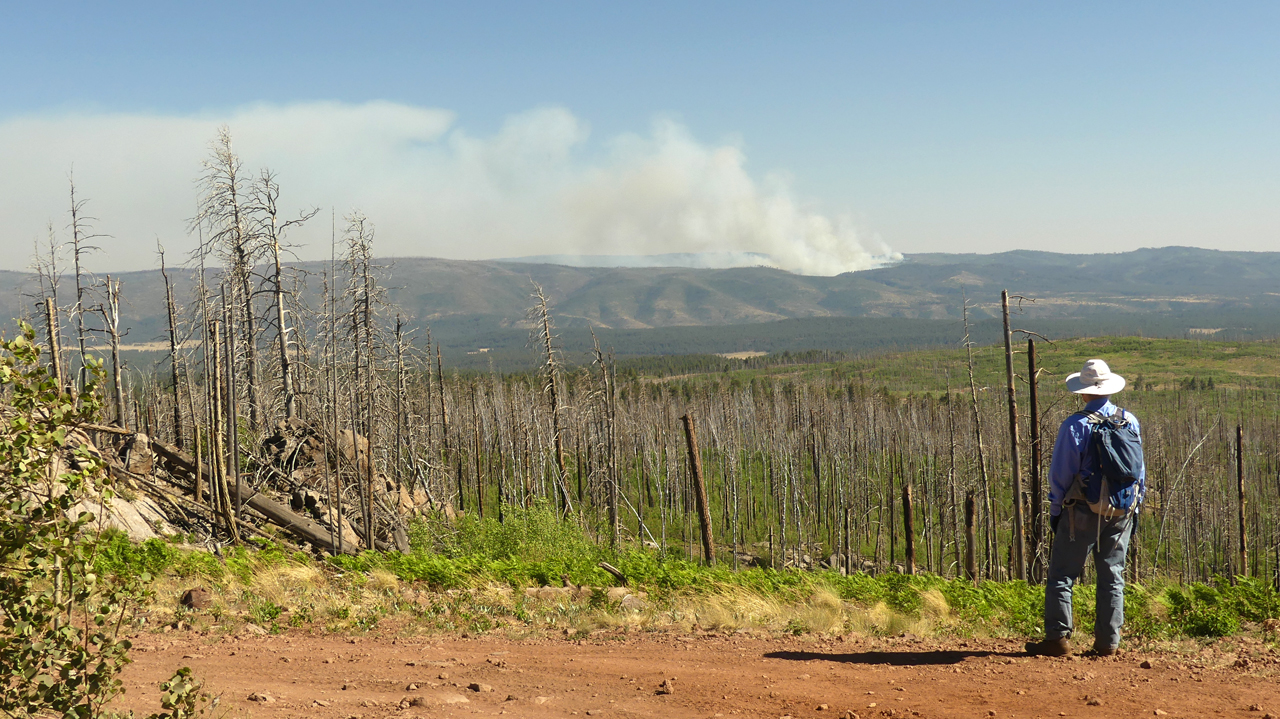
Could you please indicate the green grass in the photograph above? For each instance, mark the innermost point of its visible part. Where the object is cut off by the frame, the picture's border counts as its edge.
(155, 557)
(533, 547)
(1148, 363)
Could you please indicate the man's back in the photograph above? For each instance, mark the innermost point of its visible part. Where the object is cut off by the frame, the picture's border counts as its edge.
(1071, 451)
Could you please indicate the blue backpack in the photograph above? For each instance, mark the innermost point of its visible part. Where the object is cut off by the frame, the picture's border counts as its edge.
(1115, 454)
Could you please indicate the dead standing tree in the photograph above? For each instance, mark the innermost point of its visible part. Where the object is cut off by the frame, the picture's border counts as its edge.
(48, 275)
(446, 452)
(55, 342)
(81, 235)
(699, 488)
(1038, 560)
(362, 292)
(400, 391)
(171, 309)
(989, 525)
(1019, 558)
(231, 395)
(44, 263)
(544, 336)
(1243, 551)
(264, 209)
(609, 413)
(111, 317)
(222, 211)
(1015, 468)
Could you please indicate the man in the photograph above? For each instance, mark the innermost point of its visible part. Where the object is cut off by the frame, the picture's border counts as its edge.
(1077, 529)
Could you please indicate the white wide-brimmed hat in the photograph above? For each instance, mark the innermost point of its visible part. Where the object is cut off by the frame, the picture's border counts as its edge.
(1095, 378)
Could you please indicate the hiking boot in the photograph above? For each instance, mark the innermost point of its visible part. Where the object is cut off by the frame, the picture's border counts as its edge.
(1104, 651)
(1058, 647)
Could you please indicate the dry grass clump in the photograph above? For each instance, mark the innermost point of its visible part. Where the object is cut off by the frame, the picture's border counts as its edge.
(274, 596)
(282, 595)
(824, 613)
(730, 609)
(288, 583)
(383, 581)
(735, 609)
(616, 619)
(877, 619)
(738, 609)
(881, 619)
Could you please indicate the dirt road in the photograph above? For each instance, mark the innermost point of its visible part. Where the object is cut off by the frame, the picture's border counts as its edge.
(622, 675)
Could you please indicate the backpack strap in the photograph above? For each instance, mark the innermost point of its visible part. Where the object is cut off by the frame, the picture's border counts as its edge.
(1117, 419)
(1076, 491)
(1094, 418)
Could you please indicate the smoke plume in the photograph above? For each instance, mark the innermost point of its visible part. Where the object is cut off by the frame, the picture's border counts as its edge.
(539, 185)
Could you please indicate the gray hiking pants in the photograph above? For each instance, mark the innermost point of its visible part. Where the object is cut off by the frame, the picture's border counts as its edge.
(1069, 555)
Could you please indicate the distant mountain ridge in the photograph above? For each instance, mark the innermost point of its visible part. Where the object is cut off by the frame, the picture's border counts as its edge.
(932, 286)
(697, 260)
(464, 300)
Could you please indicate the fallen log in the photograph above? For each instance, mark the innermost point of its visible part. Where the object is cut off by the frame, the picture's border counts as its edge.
(177, 502)
(279, 514)
(105, 428)
(617, 573)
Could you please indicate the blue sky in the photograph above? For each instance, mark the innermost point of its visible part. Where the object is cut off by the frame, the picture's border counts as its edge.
(910, 126)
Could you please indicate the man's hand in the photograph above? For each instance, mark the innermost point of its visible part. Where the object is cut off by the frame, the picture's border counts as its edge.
(1053, 521)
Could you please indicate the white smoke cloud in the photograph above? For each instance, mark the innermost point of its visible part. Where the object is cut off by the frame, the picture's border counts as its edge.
(669, 193)
(537, 186)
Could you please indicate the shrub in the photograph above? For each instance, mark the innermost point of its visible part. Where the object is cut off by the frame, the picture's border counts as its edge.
(60, 651)
(1210, 621)
(1217, 609)
(52, 660)
(1251, 599)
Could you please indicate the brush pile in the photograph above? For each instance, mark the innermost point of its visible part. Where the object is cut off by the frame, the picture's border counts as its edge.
(304, 488)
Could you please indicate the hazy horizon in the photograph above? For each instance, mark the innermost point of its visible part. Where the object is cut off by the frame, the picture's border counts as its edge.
(711, 260)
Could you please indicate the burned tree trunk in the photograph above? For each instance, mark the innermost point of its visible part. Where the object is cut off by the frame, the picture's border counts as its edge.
(909, 527)
(215, 378)
(989, 525)
(334, 487)
(400, 437)
(1037, 491)
(446, 455)
(366, 279)
(699, 488)
(282, 340)
(1244, 534)
(951, 473)
(48, 274)
(55, 345)
(172, 310)
(111, 312)
(233, 406)
(609, 413)
(1015, 467)
(970, 539)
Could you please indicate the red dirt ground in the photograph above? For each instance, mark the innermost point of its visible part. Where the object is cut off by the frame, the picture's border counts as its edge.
(320, 676)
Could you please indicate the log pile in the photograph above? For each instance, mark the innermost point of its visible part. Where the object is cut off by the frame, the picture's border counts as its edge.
(293, 492)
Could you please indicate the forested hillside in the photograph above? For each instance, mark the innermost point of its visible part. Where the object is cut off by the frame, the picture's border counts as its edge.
(479, 307)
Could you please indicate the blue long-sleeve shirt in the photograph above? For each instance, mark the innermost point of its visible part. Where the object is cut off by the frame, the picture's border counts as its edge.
(1070, 448)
